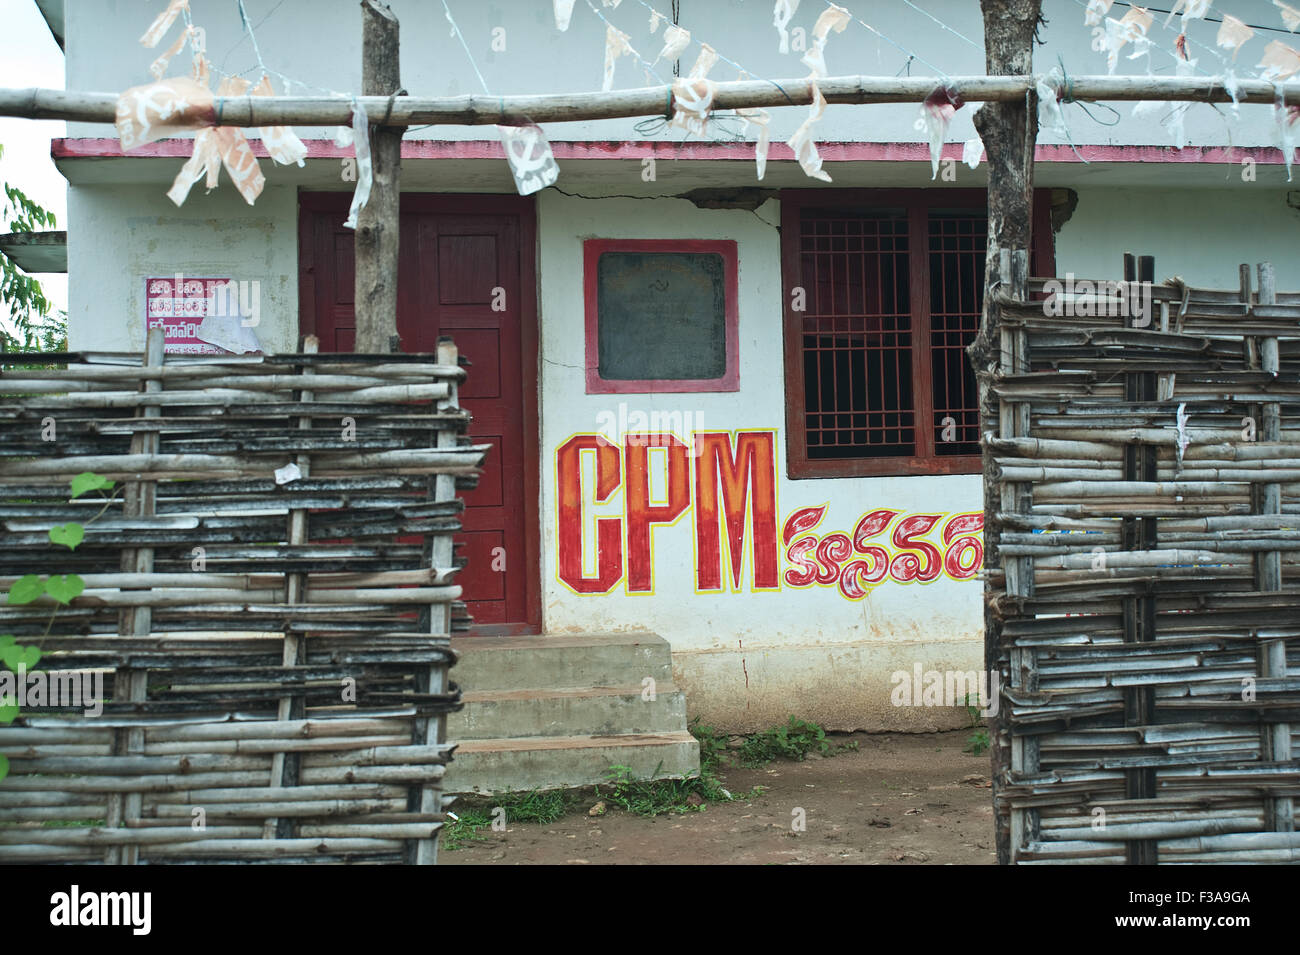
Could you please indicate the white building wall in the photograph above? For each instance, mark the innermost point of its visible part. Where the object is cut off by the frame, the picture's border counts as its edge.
(103, 54)
(120, 235)
(746, 659)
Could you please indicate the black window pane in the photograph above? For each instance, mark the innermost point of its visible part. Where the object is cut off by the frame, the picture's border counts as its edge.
(857, 334)
(957, 243)
(661, 315)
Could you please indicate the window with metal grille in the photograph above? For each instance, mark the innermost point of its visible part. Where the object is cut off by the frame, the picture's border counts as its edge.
(883, 294)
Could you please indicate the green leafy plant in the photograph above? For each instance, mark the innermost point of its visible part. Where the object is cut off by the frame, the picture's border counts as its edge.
(62, 588)
(33, 324)
(713, 745)
(978, 742)
(475, 814)
(794, 740)
(655, 796)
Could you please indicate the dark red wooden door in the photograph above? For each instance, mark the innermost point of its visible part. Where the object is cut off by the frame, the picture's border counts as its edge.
(466, 270)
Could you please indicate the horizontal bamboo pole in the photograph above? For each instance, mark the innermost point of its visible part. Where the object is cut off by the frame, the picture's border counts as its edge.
(275, 366)
(257, 794)
(270, 810)
(217, 780)
(247, 582)
(476, 110)
(275, 848)
(194, 597)
(102, 836)
(157, 466)
(202, 397)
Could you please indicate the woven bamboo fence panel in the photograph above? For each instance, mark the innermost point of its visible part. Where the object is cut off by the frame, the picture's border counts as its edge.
(1148, 590)
(268, 596)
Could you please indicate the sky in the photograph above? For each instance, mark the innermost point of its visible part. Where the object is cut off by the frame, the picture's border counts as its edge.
(30, 57)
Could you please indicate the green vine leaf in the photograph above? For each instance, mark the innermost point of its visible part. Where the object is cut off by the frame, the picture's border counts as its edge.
(8, 710)
(7, 641)
(69, 535)
(26, 589)
(4, 765)
(89, 481)
(20, 656)
(65, 588)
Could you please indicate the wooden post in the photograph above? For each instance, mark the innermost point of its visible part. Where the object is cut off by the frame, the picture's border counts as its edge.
(1009, 131)
(1275, 736)
(378, 221)
(432, 730)
(286, 768)
(130, 683)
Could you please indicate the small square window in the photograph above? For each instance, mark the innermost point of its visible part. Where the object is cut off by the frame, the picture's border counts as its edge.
(661, 315)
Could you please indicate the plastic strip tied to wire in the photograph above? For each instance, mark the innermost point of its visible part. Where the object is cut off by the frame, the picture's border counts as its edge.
(365, 172)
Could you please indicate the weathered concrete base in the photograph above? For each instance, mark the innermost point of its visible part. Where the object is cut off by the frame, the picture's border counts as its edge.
(840, 686)
(558, 711)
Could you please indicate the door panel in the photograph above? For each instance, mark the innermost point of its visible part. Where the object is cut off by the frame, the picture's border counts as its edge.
(465, 270)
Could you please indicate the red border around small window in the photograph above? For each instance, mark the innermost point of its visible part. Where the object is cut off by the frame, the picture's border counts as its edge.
(592, 249)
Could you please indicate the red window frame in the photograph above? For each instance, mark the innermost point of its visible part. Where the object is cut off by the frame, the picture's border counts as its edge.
(592, 249)
(918, 204)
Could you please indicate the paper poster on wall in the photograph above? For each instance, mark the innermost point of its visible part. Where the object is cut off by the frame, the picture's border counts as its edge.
(203, 315)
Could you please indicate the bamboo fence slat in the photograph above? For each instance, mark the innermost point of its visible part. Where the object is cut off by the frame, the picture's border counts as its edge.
(1148, 587)
(272, 649)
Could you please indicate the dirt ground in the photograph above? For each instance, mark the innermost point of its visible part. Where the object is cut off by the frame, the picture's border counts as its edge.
(898, 800)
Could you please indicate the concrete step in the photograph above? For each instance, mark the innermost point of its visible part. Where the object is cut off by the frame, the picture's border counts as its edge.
(555, 762)
(552, 711)
(561, 660)
(598, 711)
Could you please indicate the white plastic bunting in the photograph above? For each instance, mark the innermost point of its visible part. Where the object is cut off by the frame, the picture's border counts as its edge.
(936, 113)
(1280, 61)
(1288, 121)
(832, 18)
(1290, 15)
(805, 150)
(563, 12)
(972, 151)
(692, 100)
(703, 63)
(1050, 116)
(1097, 9)
(1232, 34)
(781, 17)
(1178, 112)
(1130, 28)
(365, 174)
(281, 142)
(616, 45)
(675, 41)
(1192, 10)
(531, 161)
(760, 118)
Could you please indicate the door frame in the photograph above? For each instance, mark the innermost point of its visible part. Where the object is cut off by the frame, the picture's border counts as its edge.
(530, 354)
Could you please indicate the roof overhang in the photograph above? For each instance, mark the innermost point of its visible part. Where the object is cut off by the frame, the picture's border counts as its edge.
(52, 11)
(37, 253)
(619, 168)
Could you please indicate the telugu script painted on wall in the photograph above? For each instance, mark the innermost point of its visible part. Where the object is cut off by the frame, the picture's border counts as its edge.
(726, 482)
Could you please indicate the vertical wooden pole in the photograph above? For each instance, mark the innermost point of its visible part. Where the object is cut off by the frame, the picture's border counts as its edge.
(1275, 737)
(378, 222)
(432, 730)
(1009, 131)
(129, 683)
(286, 767)
(1139, 533)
